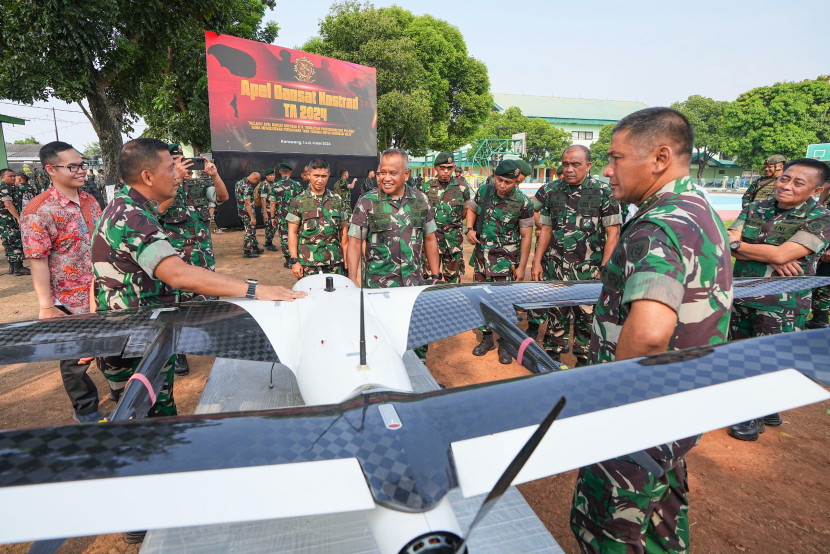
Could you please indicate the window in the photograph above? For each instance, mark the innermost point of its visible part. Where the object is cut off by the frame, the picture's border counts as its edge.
(583, 135)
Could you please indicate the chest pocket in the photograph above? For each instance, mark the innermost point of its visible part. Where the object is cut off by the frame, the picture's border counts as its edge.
(379, 220)
(557, 203)
(589, 203)
(418, 213)
(311, 219)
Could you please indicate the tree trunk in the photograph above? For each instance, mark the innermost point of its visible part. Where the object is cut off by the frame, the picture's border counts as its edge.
(109, 120)
(702, 160)
(197, 148)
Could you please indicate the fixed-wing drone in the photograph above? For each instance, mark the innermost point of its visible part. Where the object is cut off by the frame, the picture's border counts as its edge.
(364, 440)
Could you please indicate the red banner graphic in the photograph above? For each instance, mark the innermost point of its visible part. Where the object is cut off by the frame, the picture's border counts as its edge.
(266, 98)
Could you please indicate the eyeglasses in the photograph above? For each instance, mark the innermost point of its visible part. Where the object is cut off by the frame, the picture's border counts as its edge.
(74, 168)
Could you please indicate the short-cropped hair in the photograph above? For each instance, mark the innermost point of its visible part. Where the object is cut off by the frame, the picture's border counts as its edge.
(320, 163)
(397, 152)
(823, 169)
(49, 153)
(137, 155)
(655, 127)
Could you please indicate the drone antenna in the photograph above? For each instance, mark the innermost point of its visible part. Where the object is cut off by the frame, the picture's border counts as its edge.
(362, 366)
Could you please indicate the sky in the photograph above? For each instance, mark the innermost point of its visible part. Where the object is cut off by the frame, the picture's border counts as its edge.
(648, 51)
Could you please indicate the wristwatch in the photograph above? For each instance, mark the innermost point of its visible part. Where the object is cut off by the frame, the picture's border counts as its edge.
(437, 276)
(735, 245)
(292, 261)
(252, 283)
(468, 229)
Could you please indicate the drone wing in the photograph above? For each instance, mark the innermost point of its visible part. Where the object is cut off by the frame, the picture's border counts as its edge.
(410, 448)
(441, 311)
(219, 329)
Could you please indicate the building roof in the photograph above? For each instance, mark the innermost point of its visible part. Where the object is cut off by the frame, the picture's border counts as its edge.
(568, 110)
(28, 151)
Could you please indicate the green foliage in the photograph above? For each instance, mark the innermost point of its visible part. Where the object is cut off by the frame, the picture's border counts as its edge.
(174, 103)
(29, 140)
(779, 119)
(545, 143)
(101, 51)
(92, 149)
(706, 118)
(599, 149)
(431, 94)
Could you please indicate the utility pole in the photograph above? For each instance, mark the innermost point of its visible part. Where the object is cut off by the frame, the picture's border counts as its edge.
(56, 124)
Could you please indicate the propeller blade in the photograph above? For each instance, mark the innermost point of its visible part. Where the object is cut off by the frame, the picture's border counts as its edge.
(513, 470)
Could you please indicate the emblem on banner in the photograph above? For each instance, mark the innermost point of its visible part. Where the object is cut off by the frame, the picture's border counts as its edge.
(304, 70)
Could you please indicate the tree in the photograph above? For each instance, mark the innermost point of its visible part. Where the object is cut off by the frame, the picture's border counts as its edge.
(599, 149)
(30, 140)
(544, 142)
(431, 94)
(99, 51)
(92, 149)
(706, 118)
(779, 119)
(174, 103)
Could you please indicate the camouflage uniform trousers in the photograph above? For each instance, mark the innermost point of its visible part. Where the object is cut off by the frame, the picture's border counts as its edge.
(558, 332)
(249, 242)
(337, 269)
(119, 370)
(10, 237)
(480, 278)
(270, 231)
(619, 508)
(751, 322)
(450, 255)
(283, 232)
(559, 323)
(821, 295)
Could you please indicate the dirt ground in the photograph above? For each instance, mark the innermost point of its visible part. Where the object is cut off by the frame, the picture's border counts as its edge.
(771, 495)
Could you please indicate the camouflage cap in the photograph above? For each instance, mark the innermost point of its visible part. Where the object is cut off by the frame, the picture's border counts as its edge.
(267, 172)
(524, 167)
(508, 168)
(286, 165)
(775, 159)
(443, 158)
(175, 149)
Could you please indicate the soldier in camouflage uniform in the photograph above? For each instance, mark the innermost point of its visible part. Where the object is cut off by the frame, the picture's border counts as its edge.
(459, 178)
(783, 235)
(343, 188)
(42, 181)
(24, 191)
(135, 264)
(317, 227)
(764, 187)
(820, 307)
(369, 183)
(667, 286)
(398, 226)
(10, 224)
(268, 208)
(448, 201)
(500, 225)
(282, 191)
(580, 221)
(244, 190)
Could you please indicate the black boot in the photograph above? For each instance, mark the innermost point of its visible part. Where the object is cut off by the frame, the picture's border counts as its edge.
(504, 356)
(252, 254)
(181, 367)
(820, 321)
(134, 537)
(773, 420)
(485, 345)
(20, 270)
(532, 330)
(748, 430)
(12, 267)
(270, 247)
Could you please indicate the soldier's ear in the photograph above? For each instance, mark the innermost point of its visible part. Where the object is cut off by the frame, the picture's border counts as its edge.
(662, 158)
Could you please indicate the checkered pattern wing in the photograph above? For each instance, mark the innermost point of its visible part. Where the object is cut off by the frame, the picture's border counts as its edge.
(217, 329)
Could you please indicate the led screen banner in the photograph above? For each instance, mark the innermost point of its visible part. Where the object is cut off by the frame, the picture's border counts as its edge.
(266, 98)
